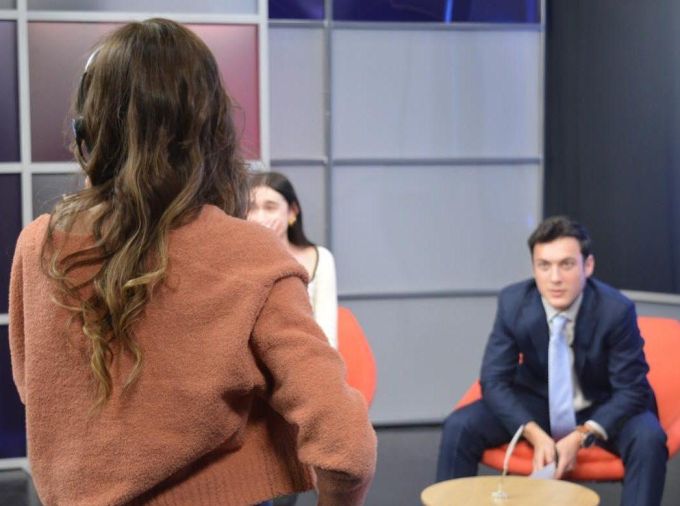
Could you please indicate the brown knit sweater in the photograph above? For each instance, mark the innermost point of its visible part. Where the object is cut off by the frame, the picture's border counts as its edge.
(240, 397)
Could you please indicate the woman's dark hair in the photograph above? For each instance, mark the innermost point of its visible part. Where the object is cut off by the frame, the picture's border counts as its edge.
(155, 138)
(281, 184)
(555, 227)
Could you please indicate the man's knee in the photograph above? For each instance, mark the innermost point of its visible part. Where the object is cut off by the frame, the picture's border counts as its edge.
(454, 420)
(461, 444)
(645, 435)
(462, 421)
(651, 438)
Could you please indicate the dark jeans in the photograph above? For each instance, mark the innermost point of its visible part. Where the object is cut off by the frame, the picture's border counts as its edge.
(288, 500)
(641, 444)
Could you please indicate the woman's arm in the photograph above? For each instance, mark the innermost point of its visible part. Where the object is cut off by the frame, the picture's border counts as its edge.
(309, 390)
(16, 321)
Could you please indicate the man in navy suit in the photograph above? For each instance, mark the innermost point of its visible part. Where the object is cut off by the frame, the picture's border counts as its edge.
(610, 401)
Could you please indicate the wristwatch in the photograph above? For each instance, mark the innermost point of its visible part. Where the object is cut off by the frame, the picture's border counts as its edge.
(588, 437)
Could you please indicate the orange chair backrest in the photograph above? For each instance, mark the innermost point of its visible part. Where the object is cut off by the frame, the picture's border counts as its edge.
(354, 348)
(662, 350)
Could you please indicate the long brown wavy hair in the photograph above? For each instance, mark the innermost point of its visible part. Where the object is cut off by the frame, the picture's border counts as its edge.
(155, 138)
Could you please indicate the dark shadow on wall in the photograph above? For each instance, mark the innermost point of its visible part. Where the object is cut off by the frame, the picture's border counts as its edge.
(612, 137)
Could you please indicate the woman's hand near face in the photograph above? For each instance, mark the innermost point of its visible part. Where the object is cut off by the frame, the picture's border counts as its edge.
(270, 209)
(273, 224)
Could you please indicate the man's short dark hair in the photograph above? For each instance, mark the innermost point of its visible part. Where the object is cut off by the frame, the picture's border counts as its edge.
(556, 227)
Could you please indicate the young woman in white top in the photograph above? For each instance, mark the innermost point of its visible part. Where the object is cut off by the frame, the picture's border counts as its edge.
(274, 204)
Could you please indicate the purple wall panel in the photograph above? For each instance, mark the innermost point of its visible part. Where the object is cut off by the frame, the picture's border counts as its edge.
(235, 49)
(12, 431)
(10, 226)
(9, 102)
(164, 6)
(57, 54)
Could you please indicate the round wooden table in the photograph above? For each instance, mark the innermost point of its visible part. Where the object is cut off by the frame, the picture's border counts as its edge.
(520, 491)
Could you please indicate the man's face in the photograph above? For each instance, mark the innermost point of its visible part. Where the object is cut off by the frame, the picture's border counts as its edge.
(560, 271)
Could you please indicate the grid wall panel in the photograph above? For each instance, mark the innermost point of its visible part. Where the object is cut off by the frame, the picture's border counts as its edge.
(436, 94)
(432, 228)
(10, 226)
(49, 188)
(57, 54)
(309, 183)
(427, 352)
(297, 92)
(9, 99)
(164, 6)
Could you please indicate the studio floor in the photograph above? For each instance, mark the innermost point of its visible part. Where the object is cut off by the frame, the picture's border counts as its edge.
(407, 457)
(406, 464)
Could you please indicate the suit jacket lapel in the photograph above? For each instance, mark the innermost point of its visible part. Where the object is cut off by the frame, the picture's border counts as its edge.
(537, 326)
(585, 327)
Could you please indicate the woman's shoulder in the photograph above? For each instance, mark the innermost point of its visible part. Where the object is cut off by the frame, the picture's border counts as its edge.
(325, 263)
(218, 237)
(38, 225)
(35, 231)
(325, 256)
(216, 227)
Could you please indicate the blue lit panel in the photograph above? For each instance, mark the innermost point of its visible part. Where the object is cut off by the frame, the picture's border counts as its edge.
(443, 11)
(12, 431)
(296, 9)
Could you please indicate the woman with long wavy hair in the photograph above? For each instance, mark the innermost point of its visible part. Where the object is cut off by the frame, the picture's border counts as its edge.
(164, 347)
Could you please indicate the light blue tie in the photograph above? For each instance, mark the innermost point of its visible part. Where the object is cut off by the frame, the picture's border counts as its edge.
(560, 394)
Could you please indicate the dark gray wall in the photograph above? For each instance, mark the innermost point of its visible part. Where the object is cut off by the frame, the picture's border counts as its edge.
(612, 127)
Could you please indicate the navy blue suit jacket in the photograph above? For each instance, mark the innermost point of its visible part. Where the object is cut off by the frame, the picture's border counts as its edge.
(608, 356)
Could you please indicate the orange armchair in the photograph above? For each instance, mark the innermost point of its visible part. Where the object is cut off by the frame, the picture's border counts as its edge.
(355, 350)
(662, 349)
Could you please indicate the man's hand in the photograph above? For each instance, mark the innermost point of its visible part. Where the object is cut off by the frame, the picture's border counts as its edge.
(567, 448)
(544, 446)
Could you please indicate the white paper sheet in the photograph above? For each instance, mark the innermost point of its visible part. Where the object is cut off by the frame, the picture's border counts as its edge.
(544, 473)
